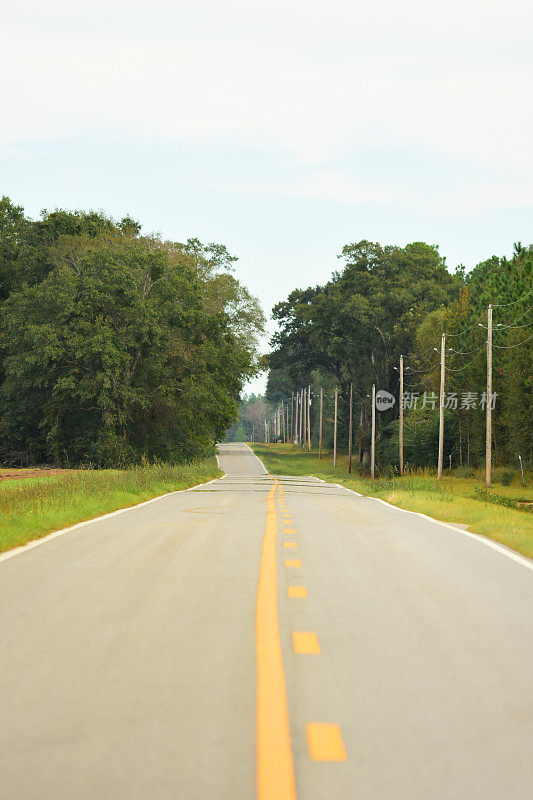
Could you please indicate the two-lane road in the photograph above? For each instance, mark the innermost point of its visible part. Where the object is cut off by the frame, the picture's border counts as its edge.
(265, 637)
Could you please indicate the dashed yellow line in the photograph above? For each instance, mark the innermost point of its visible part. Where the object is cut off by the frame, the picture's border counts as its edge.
(296, 591)
(325, 742)
(275, 763)
(306, 643)
(275, 766)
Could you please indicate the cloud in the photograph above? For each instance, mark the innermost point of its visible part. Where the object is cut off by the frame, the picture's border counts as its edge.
(398, 80)
(315, 81)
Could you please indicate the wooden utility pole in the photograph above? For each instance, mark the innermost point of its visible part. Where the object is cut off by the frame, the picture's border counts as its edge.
(441, 405)
(488, 442)
(309, 418)
(320, 425)
(373, 445)
(400, 439)
(296, 417)
(350, 431)
(335, 432)
(302, 430)
(292, 417)
(304, 416)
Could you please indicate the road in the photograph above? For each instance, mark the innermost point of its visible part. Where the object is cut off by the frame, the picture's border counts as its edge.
(270, 638)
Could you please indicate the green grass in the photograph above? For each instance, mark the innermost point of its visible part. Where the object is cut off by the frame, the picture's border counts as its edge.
(32, 507)
(455, 500)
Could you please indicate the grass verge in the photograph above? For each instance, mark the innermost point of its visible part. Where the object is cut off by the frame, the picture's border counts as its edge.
(454, 500)
(33, 507)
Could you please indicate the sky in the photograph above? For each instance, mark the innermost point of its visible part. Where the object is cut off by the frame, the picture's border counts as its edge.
(281, 129)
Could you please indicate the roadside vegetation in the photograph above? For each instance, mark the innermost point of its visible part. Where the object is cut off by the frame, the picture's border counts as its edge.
(32, 507)
(502, 513)
(116, 346)
(385, 302)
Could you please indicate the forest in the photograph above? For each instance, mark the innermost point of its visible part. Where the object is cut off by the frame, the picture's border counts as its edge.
(116, 348)
(386, 302)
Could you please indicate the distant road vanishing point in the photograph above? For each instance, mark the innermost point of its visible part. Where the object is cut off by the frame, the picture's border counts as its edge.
(268, 637)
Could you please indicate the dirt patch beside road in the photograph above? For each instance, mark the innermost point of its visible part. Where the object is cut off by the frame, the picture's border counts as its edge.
(37, 472)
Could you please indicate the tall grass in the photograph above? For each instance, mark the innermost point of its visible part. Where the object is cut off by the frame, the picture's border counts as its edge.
(33, 507)
(493, 513)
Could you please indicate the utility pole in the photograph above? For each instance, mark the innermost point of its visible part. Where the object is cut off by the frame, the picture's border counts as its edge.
(350, 431)
(292, 417)
(320, 425)
(296, 412)
(441, 405)
(304, 416)
(335, 432)
(400, 442)
(309, 418)
(302, 432)
(488, 443)
(373, 446)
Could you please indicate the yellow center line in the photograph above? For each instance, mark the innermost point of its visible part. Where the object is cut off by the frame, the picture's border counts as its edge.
(296, 591)
(293, 562)
(306, 642)
(290, 544)
(325, 741)
(275, 766)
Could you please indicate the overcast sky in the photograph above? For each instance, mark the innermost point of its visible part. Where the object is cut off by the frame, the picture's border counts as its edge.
(283, 129)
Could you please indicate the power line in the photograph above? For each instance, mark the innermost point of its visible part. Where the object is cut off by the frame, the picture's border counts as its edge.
(505, 305)
(501, 327)
(467, 329)
(510, 346)
(465, 366)
(465, 352)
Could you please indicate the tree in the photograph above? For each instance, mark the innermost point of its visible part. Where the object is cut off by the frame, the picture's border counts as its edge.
(130, 347)
(356, 326)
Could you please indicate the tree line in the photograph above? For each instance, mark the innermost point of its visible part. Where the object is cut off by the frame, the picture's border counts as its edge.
(116, 347)
(388, 301)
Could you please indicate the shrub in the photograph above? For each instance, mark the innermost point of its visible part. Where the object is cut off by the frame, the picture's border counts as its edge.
(504, 476)
(465, 472)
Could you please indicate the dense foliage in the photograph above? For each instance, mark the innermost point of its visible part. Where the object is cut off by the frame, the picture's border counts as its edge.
(253, 412)
(389, 301)
(116, 347)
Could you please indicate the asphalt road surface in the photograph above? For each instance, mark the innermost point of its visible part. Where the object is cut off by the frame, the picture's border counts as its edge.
(270, 638)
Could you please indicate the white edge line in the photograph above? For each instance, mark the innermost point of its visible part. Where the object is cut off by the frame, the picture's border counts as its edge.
(257, 457)
(16, 551)
(477, 537)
